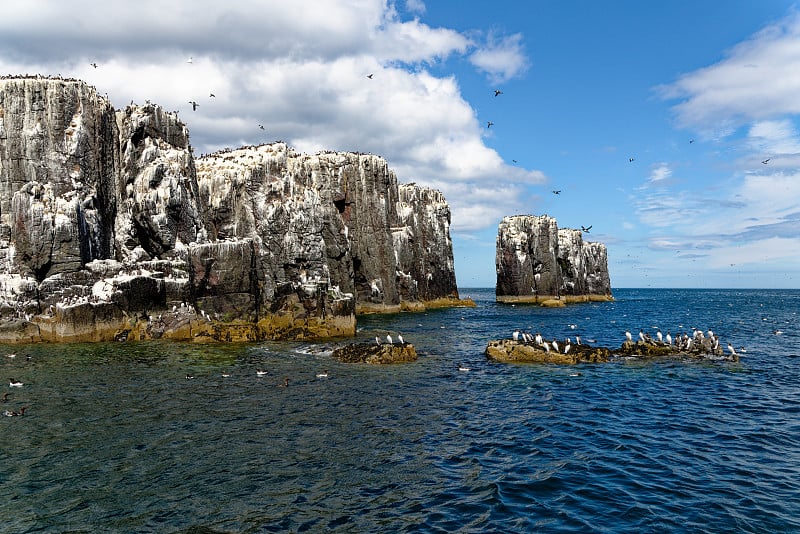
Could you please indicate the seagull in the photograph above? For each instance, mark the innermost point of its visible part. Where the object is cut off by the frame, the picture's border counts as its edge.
(766, 161)
(389, 339)
(556, 191)
(212, 95)
(586, 228)
(323, 374)
(400, 338)
(14, 383)
(194, 105)
(497, 92)
(261, 126)
(489, 124)
(463, 368)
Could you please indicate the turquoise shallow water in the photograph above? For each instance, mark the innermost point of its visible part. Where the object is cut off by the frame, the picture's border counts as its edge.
(117, 439)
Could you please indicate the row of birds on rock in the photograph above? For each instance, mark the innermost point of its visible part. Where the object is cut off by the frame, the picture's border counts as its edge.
(537, 339)
(390, 341)
(697, 341)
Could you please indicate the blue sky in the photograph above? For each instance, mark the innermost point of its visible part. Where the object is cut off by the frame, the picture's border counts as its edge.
(697, 93)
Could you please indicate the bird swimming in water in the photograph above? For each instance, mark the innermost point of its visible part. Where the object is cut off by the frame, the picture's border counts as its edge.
(464, 368)
(5, 397)
(11, 413)
(189, 377)
(323, 374)
(285, 383)
(260, 372)
(14, 383)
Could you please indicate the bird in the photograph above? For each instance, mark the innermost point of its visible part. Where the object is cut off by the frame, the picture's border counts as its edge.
(5, 397)
(567, 347)
(669, 338)
(513, 161)
(515, 335)
(194, 105)
(586, 228)
(631, 160)
(489, 124)
(497, 92)
(555, 345)
(323, 374)
(14, 383)
(285, 383)
(731, 349)
(641, 335)
(189, 377)
(659, 336)
(370, 76)
(400, 338)
(261, 126)
(628, 335)
(93, 65)
(11, 413)
(546, 346)
(226, 375)
(212, 95)
(189, 60)
(377, 340)
(389, 339)
(11, 355)
(556, 191)
(766, 161)
(260, 372)
(577, 340)
(464, 368)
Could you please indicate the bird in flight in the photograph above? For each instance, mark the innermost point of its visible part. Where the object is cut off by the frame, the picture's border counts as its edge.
(765, 161)
(212, 95)
(556, 191)
(631, 159)
(489, 124)
(497, 92)
(189, 60)
(93, 65)
(194, 105)
(261, 126)
(691, 141)
(513, 161)
(370, 76)
(586, 228)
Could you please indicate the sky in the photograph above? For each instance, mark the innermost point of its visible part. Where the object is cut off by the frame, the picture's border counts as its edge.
(672, 129)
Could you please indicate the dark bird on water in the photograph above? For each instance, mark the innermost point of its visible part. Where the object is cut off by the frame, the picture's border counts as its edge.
(497, 92)
(765, 161)
(489, 124)
(556, 191)
(194, 105)
(586, 228)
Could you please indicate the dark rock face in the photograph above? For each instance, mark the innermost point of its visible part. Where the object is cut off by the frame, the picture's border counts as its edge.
(537, 261)
(110, 227)
(376, 354)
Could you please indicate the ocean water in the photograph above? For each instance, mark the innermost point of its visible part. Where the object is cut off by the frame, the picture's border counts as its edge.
(116, 438)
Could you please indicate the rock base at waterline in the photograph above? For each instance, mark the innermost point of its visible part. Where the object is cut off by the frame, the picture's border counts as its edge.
(508, 350)
(376, 354)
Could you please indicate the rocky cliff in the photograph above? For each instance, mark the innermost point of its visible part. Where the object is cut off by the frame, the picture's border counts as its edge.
(538, 262)
(111, 229)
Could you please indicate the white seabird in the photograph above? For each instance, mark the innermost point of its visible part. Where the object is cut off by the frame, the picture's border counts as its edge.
(628, 335)
(389, 339)
(400, 338)
(14, 383)
(730, 348)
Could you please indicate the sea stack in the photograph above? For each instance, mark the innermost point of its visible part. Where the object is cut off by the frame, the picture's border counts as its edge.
(539, 263)
(111, 229)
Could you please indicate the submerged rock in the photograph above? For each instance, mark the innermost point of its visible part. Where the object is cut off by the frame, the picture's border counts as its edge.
(376, 354)
(538, 262)
(110, 228)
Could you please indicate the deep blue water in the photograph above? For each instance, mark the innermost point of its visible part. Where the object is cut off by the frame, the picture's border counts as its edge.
(117, 439)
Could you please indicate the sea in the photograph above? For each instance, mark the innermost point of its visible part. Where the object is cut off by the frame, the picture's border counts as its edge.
(181, 437)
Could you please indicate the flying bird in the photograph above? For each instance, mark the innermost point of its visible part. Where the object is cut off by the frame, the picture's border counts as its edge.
(765, 161)
(586, 228)
(212, 95)
(489, 124)
(370, 76)
(194, 105)
(261, 126)
(189, 60)
(556, 191)
(497, 92)
(93, 65)
(691, 141)
(513, 161)
(631, 160)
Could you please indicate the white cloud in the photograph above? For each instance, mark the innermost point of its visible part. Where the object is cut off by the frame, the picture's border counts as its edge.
(660, 173)
(502, 58)
(300, 71)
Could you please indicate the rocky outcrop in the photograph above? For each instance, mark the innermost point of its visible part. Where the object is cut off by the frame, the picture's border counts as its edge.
(538, 262)
(110, 228)
(384, 353)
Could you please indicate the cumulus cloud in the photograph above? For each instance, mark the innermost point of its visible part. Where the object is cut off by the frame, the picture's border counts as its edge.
(353, 76)
(502, 58)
